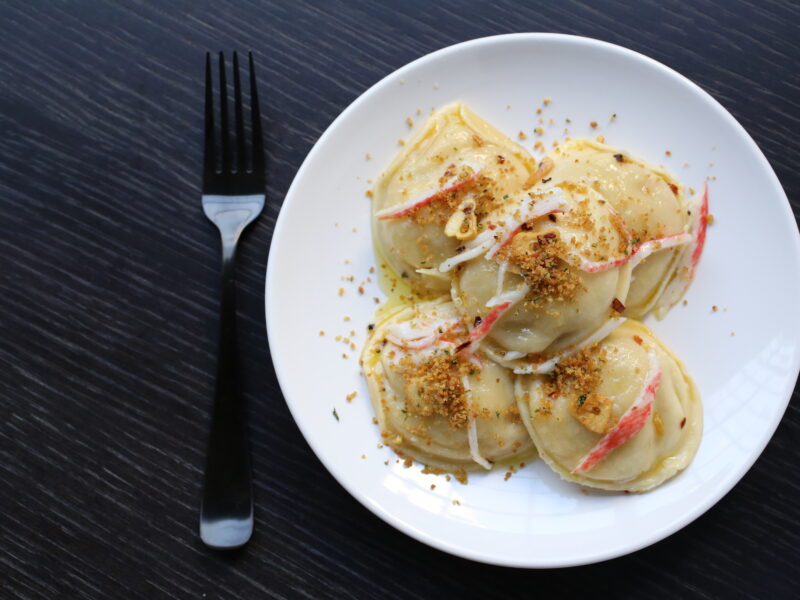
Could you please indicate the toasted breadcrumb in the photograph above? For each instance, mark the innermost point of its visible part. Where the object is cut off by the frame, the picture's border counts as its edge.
(537, 259)
(437, 388)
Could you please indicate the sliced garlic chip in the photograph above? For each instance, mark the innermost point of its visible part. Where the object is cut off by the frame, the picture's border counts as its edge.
(462, 224)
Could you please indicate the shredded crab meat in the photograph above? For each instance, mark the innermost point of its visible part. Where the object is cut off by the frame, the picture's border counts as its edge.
(630, 423)
(512, 296)
(451, 186)
(501, 275)
(472, 433)
(417, 334)
(549, 365)
(550, 201)
(545, 166)
(690, 257)
(475, 360)
(473, 249)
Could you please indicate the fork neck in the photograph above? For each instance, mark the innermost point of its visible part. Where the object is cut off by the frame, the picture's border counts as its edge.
(228, 260)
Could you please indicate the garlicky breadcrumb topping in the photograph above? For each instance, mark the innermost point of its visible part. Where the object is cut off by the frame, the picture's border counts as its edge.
(435, 386)
(538, 259)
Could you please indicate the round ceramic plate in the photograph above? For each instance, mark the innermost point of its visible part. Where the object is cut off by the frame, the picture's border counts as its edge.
(743, 354)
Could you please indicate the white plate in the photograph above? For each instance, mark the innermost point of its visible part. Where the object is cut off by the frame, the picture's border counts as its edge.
(750, 270)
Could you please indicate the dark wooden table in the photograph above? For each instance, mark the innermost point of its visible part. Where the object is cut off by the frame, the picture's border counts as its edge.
(109, 291)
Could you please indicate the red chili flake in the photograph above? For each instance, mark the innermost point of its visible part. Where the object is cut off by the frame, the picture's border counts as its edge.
(501, 159)
(546, 179)
(619, 158)
(637, 339)
(552, 217)
(492, 226)
(462, 346)
(546, 237)
(683, 422)
(526, 227)
(477, 321)
(617, 305)
(674, 188)
(460, 249)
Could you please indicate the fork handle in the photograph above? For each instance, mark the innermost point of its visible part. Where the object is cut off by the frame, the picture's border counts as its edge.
(226, 519)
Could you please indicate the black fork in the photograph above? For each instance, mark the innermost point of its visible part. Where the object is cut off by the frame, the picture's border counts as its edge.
(233, 196)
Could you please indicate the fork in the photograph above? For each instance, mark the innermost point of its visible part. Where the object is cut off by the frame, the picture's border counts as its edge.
(233, 196)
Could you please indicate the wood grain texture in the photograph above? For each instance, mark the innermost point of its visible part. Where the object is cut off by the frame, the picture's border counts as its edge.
(109, 291)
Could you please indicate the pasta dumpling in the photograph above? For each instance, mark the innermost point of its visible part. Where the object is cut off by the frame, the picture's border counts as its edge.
(432, 197)
(651, 202)
(562, 275)
(446, 408)
(622, 415)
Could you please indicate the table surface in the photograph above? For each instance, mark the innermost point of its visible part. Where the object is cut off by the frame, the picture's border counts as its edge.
(109, 295)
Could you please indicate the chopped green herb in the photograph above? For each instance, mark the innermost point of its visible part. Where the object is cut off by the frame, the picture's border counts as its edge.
(404, 275)
(335, 414)
(581, 399)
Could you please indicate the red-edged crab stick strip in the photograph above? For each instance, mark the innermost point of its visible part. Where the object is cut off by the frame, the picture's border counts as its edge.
(631, 422)
(482, 330)
(549, 365)
(647, 248)
(401, 210)
(639, 253)
(552, 202)
(691, 256)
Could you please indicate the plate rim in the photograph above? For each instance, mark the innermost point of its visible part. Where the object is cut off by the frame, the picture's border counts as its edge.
(398, 523)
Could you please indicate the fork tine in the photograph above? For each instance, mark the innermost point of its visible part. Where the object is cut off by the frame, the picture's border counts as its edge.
(209, 161)
(258, 140)
(241, 159)
(223, 116)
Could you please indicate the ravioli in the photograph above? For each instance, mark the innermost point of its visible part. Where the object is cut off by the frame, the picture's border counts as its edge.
(446, 409)
(517, 331)
(457, 161)
(651, 202)
(625, 415)
(560, 270)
